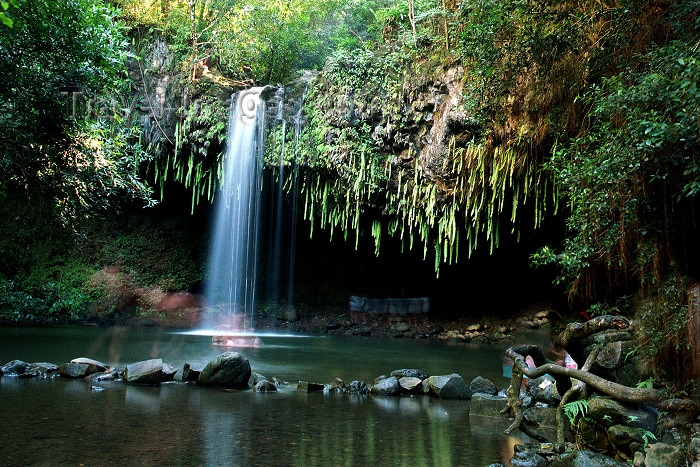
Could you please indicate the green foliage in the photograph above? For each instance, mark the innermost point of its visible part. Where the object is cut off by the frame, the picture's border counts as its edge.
(662, 330)
(267, 42)
(576, 409)
(17, 305)
(154, 254)
(77, 166)
(633, 163)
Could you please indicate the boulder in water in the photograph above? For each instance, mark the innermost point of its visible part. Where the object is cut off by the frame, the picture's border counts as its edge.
(93, 366)
(145, 372)
(74, 370)
(190, 372)
(309, 387)
(229, 370)
(447, 387)
(410, 384)
(264, 386)
(483, 386)
(358, 387)
(410, 373)
(14, 368)
(386, 387)
(43, 368)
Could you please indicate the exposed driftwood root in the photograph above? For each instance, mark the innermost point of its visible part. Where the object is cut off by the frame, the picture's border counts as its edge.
(611, 329)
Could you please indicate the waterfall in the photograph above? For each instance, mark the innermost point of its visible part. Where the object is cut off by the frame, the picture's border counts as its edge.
(251, 211)
(235, 244)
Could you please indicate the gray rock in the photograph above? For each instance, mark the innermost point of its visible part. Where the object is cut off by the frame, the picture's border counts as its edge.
(619, 414)
(254, 378)
(93, 365)
(410, 384)
(229, 370)
(264, 386)
(400, 327)
(74, 370)
(586, 459)
(358, 387)
(626, 440)
(483, 385)
(543, 389)
(110, 375)
(386, 387)
(190, 372)
(337, 385)
(664, 455)
(14, 368)
(168, 372)
(486, 405)
(528, 459)
(409, 373)
(309, 387)
(496, 465)
(447, 387)
(541, 416)
(43, 367)
(145, 372)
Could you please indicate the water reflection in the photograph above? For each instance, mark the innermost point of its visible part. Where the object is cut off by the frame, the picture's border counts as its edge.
(59, 422)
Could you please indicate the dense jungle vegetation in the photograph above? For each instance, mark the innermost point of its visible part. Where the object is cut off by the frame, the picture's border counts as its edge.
(588, 111)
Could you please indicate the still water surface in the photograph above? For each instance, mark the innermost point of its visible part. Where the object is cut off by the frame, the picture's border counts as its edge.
(59, 422)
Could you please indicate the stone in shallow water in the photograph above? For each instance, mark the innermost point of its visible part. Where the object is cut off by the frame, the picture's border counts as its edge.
(486, 405)
(264, 386)
(14, 367)
(358, 387)
(410, 384)
(191, 372)
(447, 387)
(74, 370)
(410, 372)
(229, 370)
(93, 366)
(309, 387)
(43, 367)
(386, 387)
(145, 372)
(483, 385)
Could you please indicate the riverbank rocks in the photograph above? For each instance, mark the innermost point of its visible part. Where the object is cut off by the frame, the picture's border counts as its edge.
(602, 410)
(586, 459)
(229, 370)
(483, 386)
(487, 405)
(152, 371)
(447, 387)
(664, 455)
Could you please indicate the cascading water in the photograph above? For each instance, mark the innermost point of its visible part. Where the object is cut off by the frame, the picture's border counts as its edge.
(240, 227)
(233, 256)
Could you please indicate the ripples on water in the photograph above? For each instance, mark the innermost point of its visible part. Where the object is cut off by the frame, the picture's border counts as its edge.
(60, 422)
